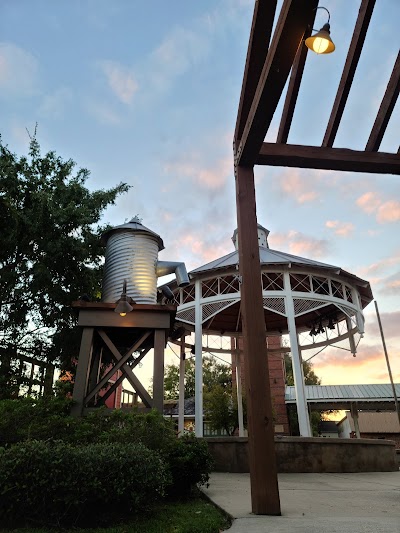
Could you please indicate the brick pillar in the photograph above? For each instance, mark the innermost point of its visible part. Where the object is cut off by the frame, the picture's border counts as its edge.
(277, 383)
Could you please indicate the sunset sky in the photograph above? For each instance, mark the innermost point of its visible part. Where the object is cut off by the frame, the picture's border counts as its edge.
(147, 93)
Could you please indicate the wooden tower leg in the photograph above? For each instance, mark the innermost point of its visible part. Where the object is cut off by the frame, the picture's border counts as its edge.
(158, 372)
(82, 371)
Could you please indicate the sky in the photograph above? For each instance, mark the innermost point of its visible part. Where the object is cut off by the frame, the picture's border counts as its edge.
(147, 93)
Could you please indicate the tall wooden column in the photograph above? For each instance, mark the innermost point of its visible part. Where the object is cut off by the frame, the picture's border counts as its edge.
(262, 460)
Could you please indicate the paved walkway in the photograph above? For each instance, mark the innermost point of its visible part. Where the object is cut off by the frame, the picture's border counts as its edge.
(315, 503)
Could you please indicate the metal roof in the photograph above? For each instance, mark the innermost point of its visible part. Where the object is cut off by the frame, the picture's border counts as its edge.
(267, 256)
(135, 226)
(277, 258)
(373, 396)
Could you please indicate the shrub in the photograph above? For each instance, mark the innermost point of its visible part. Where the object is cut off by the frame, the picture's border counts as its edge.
(61, 484)
(26, 419)
(49, 419)
(190, 463)
(30, 418)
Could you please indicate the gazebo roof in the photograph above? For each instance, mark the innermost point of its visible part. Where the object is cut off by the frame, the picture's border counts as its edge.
(275, 258)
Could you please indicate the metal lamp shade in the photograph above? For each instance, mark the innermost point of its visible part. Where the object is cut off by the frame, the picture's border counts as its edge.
(321, 42)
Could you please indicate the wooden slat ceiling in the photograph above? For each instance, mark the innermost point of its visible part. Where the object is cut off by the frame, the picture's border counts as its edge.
(263, 85)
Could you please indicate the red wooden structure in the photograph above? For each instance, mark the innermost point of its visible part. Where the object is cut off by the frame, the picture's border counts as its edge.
(269, 63)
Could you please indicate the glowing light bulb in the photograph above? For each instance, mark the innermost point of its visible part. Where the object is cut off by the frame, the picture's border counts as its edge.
(320, 45)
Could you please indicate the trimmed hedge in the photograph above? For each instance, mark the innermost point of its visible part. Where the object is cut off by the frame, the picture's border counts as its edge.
(61, 484)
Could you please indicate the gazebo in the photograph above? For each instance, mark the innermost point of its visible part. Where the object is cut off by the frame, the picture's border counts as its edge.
(299, 295)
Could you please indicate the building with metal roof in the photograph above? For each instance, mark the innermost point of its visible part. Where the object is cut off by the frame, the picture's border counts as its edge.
(371, 397)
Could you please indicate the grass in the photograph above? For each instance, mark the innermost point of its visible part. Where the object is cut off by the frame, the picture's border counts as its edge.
(195, 515)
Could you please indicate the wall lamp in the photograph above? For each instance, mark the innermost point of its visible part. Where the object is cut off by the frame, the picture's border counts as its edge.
(123, 305)
(321, 42)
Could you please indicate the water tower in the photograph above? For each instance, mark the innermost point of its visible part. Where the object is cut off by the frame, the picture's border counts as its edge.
(128, 323)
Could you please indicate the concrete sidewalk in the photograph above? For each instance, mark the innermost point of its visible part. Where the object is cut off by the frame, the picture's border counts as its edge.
(315, 503)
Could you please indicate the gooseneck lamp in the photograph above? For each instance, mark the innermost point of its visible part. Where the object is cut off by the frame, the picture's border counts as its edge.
(321, 42)
(123, 306)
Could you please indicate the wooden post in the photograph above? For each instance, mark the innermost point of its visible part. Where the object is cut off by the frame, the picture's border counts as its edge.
(181, 411)
(82, 372)
(158, 371)
(262, 460)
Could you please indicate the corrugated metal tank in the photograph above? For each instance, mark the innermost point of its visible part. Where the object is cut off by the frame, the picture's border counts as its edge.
(131, 255)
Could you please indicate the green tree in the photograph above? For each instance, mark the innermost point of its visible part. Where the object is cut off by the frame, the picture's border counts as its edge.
(50, 254)
(220, 402)
(221, 409)
(310, 378)
(213, 374)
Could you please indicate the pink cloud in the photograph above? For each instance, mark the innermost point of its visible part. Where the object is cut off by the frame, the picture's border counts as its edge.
(335, 366)
(388, 212)
(385, 211)
(211, 177)
(380, 266)
(342, 229)
(299, 244)
(293, 184)
(391, 284)
(368, 202)
(390, 324)
(121, 80)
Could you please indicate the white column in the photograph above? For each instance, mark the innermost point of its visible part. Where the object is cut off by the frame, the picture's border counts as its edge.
(198, 346)
(301, 401)
(237, 359)
(181, 411)
(359, 315)
(354, 416)
(352, 343)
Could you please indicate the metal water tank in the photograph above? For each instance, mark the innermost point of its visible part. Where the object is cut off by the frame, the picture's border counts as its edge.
(131, 255)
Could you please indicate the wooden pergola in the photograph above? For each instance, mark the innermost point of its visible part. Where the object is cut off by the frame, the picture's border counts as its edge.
(269, 63)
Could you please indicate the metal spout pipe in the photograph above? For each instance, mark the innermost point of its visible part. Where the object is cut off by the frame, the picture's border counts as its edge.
(169, 267)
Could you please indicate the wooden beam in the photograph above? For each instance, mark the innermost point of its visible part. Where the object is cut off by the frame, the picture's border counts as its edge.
(386, 109)
(289, 32)
(353, 55)
(158, 370)
(260, 35)
(121, 360)
(130, 376)
(294, 85)
(102, 399)
(292, 155)
(262, 460)
(82, 372)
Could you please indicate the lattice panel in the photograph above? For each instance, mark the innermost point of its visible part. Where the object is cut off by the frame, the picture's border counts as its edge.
(188, 294)
(272, 281)
(214, 308)
(177, 298)
(320, 285)
(348, 295)
(337, 289)
(277, 305)
(229, 284)
(300, 282)
(302, 305)
(209, 288)
(187, 315)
